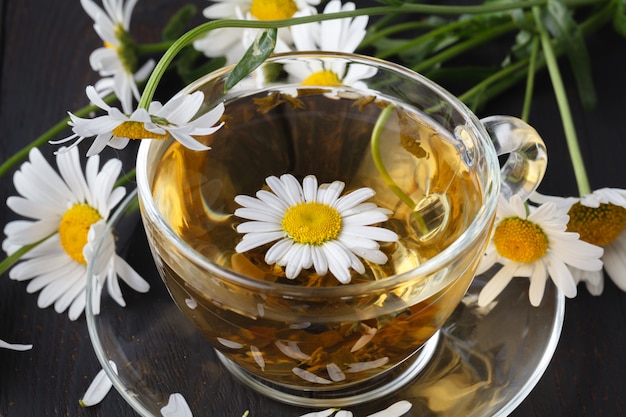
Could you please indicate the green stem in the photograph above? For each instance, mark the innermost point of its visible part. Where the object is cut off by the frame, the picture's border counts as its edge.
(202, 29)
(433, 34)
(510, 75)
(503, 74)
(380, 166)
(126, 178)
(378, 160)
(47, 136)
(564, 108)
(464, 46)
(530, 79)
(392, 30)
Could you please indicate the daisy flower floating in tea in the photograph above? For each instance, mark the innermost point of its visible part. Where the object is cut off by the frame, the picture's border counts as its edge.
(66, 212)
(314, 226)
(536, 245)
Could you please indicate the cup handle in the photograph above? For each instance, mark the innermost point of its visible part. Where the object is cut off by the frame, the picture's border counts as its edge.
(524, 169)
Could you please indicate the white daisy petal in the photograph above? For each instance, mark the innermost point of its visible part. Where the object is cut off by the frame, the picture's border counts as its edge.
(355, 240)
(338, 262)
(561, 275)
(320, 263)
(496, 285)
(99, 388)
(370, 232)
(14, 346)
(309, 188)
(130, 276)
(258, 215)
(21, 232)
(78, 288)
(537, 285)
(615, 261)
(332, 192)
(372, 255)
(176, 407)
(271, 200)
(354, 198)
(254, 240)
(258, 227)
(365, 218)
(278, 251)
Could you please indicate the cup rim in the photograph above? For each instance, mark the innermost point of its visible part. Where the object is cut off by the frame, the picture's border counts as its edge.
(438, 262)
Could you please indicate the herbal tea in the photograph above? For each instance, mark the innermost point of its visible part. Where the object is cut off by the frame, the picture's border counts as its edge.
(313, 333)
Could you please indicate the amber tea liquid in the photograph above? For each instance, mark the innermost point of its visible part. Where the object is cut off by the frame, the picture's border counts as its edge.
(305, 335)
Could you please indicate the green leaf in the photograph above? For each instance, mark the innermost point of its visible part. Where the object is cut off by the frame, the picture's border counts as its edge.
(619, 20)
(558, 20)
(178, 23)
(258, 52)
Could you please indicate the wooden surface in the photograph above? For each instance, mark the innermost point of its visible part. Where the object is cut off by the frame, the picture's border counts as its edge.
(44, 51)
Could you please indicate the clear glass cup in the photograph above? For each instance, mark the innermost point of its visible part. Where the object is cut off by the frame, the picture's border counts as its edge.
(341, 117)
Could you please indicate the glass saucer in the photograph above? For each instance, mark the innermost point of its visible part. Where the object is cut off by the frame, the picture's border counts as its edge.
(486, 361)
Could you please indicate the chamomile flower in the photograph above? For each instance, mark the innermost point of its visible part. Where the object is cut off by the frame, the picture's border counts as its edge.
(116, 61)
(232, 43)
(337, 35)
(314, 226)
(63, 209)
(175, 118)
(600, 219)
(535, 245)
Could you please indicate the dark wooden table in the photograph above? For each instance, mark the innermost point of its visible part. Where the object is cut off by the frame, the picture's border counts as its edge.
(44, 52)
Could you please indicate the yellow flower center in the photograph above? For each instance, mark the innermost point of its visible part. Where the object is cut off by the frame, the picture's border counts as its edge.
(599, 226)
(323, 78)
(312, 223)
(135, 130)
(520, 240)
(74, 228)
(273, 9)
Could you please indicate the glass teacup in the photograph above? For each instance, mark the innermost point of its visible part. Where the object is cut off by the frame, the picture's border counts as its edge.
(311, 335)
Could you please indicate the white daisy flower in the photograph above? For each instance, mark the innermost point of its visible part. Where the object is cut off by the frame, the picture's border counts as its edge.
(175, 118)
(232, 43)
(535, 245)
(63, 209)
(116, 61)
(600, 219)
(314, 226)
(337, 35)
